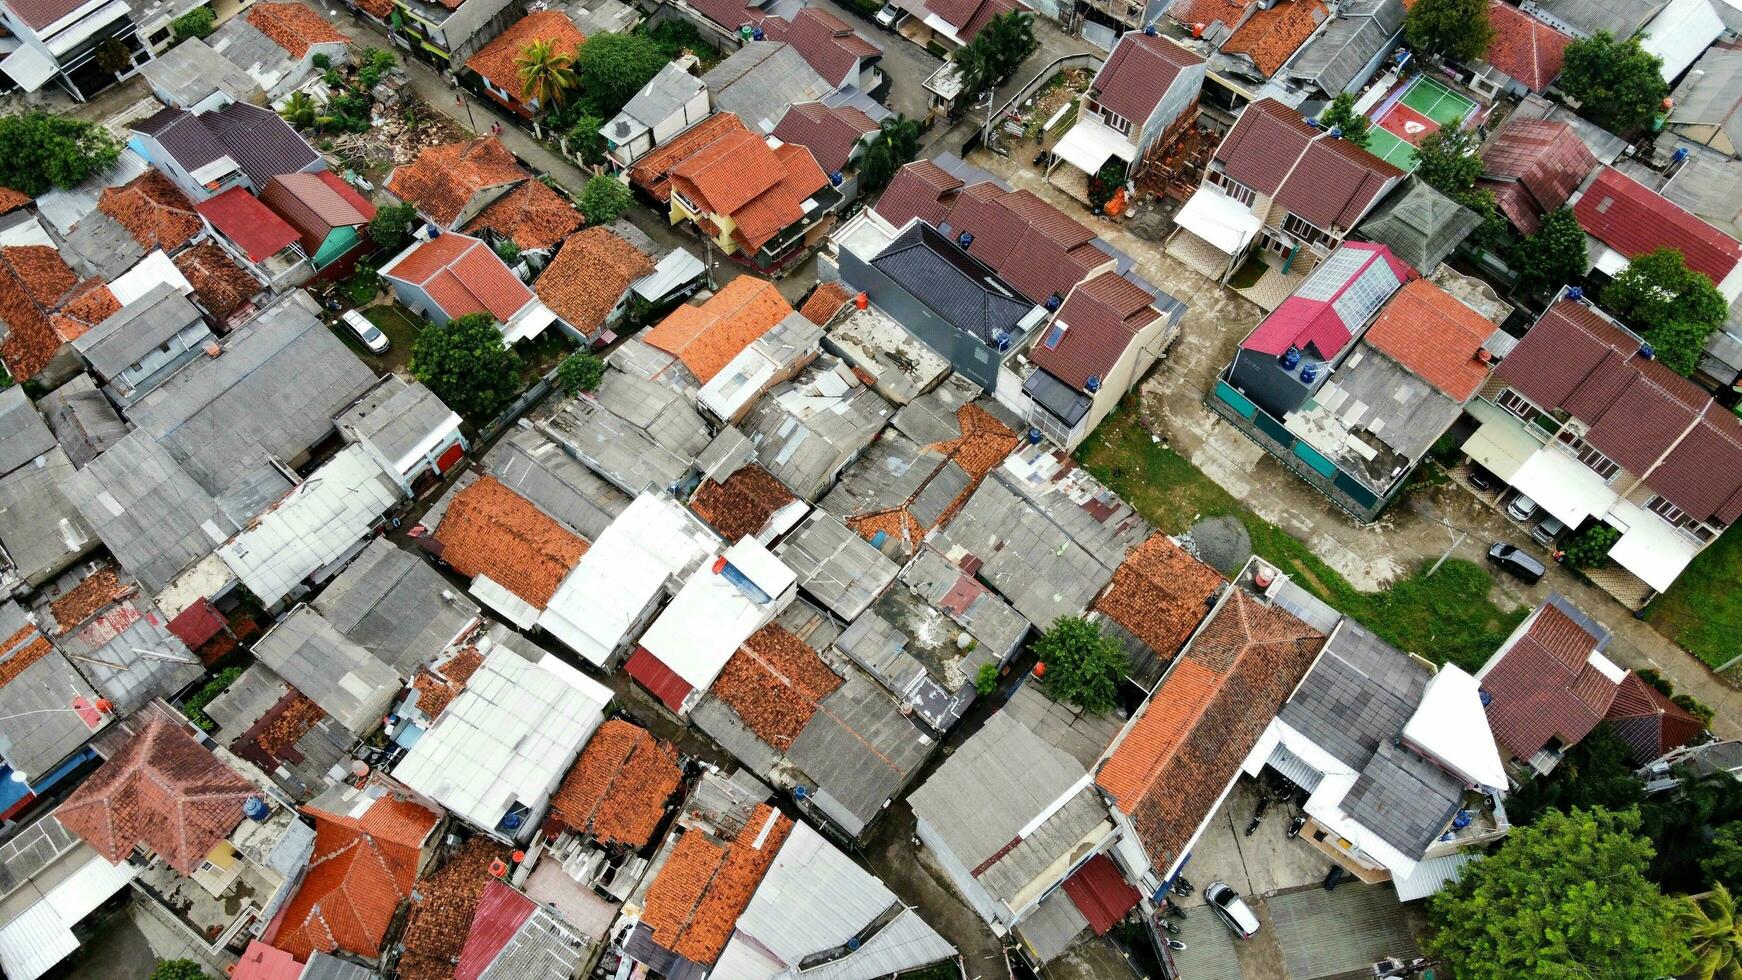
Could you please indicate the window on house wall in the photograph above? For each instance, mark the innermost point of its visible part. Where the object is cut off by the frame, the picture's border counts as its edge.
(1116, 122)
(1306, 232)
(1589, 455)
(1515, 403)
(1680, 519)
(1232, 187)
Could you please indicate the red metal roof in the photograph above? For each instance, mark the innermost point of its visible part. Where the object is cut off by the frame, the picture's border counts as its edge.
(501, 913)
(262, 962)
(197, 623)
(917, 191)
(1300, 322)
(1101, 893)
(1138, 72)
(1630, 218)
(1103, 316)
(1533, 166)
(1648, 721)
(1331, 183)
(240, 217)
(828, 44)
(660, 680)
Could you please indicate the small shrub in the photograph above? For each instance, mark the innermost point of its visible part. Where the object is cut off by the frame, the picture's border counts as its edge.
(507, 251)
(178, 970)
(195, 706)
(580, 372)
(1590, 549)
(603, 199)
(321, 62)
(986, 681)
(199, 22)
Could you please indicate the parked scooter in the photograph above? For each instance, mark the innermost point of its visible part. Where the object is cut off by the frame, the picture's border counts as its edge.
(1335, 876)
(1258, 815)
(1171, 927)
(1171, 910)
(1182, 886)
(1175, 944)
(1295, 825)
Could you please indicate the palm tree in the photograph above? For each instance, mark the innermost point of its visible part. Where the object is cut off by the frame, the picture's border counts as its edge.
(1714, 935)
(546, 74)
(299, 111)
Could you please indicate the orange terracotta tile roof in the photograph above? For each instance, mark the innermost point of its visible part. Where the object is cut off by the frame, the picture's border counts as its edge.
(221, 286)
(379, 9)
(708, 336)
(1271, 36)
(774, 684)
(777, 208)
(652, 173)
(294, 27)
(826, 300)
(362, 868)
(91, 304)
(983, 444)
(589, 275)
(1172, 764)
(281, 734)
(729, 172)
(532, 215)
(1427, 330)
(1197, 14)
(898, 523)
(491, 530)
(443, 179)
(19, 658)
(695, 900)
(1160, 593)
(741, 505)
(32, 280)
(618, 789)
(11, 200)
(153, 210)
(498, 62)
(441, 916)
(438, 688)
(89, 597)
(1524, 48)
(162, 789)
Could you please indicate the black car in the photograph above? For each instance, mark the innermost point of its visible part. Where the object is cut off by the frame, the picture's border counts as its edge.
(1482, 480)
(1515, 560)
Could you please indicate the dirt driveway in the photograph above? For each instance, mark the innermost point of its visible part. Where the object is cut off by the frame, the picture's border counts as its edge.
(1417, 528)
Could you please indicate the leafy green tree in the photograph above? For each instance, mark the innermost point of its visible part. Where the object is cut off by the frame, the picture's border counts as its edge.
(1682, 824)
(1618, 84)
(199, 22)
(893, 146)
(1448, 160)
(986, 680)
(1722, 862)
(1341, 116)
(466, 365)
(1596, 773)
(1714, 935)
(373, 64)
(996, 52)
(1590, 547)
(580, 371)
(508, 250)
(611, 68)
(1455, 29)
(1565, 897)
(1082, 666)
(1673, 307)
(603, 199)
(392, 225)
(586, 141)
(1105, 182)
(1554, 255)
(178, 970)
(44, 151)
(112, 56)
(547, 73)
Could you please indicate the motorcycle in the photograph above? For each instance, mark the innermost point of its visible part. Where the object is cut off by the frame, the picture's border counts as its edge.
(1258, 815)
(1171, 927)
(1172, 911)
(1182, 886)
(1295, 825)
(1175, 944)
(1335, 876)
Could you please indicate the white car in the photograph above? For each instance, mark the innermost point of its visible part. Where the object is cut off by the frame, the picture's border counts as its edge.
(1521, 508)
(889, 16)
(367, 332)
(1232, 909)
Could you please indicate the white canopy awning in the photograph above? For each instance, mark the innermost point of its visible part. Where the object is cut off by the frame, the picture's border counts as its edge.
(1218, 219)
(1563, 486)
(1451, 726)
(1090, 142)
(1501, 445)
(1654, 551)
(529, 321)
(29, 67)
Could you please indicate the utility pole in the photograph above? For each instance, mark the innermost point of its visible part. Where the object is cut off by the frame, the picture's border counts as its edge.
(460, 100)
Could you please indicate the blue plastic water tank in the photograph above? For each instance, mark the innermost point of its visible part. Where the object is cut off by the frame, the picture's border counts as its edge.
(255, 809)
(1290, 358)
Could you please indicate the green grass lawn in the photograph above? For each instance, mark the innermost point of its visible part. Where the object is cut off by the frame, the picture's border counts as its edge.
(1445, 618)
(1702, 611)
(400, 327)
(1248, 274)
(361, 287)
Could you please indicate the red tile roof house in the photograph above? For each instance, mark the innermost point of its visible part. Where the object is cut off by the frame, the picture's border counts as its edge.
(454, 275)
(451, 184)
(329, 216)
(1179, 756)
(830, 46)
(1353, 379)
(1534, 166)
(763, 205)
(251, 232)
(834, 135)
(1281, 186)
(1140, 101)
(588, 284)
(1525, 55)
(1623, 219)
(950, 23)
(1547, 686)
(1584, 427)
(497, 65)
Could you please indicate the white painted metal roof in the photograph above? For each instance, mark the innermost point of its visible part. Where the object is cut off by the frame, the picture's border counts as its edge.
(1451, 726)
(713, 615)
(32, 943)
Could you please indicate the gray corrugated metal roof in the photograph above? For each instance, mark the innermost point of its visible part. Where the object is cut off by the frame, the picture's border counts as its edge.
(23, 434)
(1710, 93)
(615, 448)
(808, 429)
(191, 71)
(1420, 224)
(885, 476)
(130, 655)
(664, 94)
(992, 786)
(100, 246)
(543, 946)
(82, 419)
(41, 529)
(999, 628)
(272, 393)
(665, 416)
(1052, 926)
(716, 719)
(761, 80)
(246, 700)
(139, 328)
(1079, 734)
(37, 731)
(1622, 18)
(532, 465)
(33, 849)
(344, 679)
(835, 565)
(1360, 33)
(155, 519)
(324, 967)
(859, 751)
(635, 356)
(392, 603)
(396, 416)
(1359, 693)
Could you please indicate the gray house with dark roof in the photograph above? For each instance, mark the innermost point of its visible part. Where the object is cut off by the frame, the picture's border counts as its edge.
(1346, 52)
(239, 145)
(137, 348)
(671, 102)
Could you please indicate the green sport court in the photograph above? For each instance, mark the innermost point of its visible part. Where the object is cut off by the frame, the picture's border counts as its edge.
(1426, 105)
